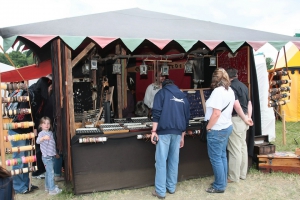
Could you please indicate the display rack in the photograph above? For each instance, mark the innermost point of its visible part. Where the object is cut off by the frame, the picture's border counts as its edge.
(197, 99)
(4, 112)
(279, 88)
(238, 60)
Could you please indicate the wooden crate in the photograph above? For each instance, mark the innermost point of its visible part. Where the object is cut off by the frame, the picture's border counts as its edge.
(262, 145)
(287, 162)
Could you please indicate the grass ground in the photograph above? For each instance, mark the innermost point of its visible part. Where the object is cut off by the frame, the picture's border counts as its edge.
(275, 186)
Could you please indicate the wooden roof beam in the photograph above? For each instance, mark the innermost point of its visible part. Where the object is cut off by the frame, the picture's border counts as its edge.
(82, 54)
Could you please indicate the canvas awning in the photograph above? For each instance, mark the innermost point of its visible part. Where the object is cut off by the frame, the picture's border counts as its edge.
(135, 26)
(27, 73)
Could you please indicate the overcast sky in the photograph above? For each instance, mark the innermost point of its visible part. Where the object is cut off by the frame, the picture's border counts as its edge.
(275, 16)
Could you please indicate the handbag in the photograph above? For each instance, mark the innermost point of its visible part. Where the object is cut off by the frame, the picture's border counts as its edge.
(203, 131)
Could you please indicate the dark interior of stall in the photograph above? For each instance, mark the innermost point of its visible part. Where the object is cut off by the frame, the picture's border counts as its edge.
(124, 157)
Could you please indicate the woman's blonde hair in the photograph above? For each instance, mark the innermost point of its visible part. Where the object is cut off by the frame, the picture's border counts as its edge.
(42, 120)
(220, 78)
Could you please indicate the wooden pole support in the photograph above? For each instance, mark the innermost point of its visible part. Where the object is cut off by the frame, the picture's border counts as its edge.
(283, 128)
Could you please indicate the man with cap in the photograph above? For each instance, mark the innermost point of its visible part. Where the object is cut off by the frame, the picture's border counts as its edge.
(171, 113)
(237, 146)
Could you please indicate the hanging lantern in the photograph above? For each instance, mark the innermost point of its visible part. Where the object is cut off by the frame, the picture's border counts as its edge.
(165, 69)
(117, 68)
(213, 61)
(188, 67)
(94, 64)
(85, 68)
(143, 68)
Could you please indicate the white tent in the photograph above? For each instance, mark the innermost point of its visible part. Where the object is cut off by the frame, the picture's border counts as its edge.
(267, 113)
(5, 67)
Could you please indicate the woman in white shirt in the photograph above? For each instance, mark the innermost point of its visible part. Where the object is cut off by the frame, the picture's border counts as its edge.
(218, 111)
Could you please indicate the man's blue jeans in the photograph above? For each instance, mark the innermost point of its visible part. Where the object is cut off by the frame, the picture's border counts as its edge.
(49, 177)
(58, 165)
(166, 163)
(20, 181)
(216, 146)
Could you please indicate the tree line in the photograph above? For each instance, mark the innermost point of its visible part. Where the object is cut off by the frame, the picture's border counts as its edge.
(18, 58)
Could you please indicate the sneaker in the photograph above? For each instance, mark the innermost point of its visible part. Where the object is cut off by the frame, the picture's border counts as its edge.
(34, 187)
(47, 190)
(27, 191)
(55, 191)
(41, 176)
(59, 178)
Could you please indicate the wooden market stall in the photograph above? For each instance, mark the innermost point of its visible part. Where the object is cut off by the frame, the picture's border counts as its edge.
(85, 52)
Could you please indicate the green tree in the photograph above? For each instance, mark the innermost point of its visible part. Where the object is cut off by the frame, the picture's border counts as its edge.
(269, 62)
(18, 58)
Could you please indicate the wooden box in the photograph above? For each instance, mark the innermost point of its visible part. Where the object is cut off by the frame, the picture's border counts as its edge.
(262, 145)
(297, 151)
(286, 162)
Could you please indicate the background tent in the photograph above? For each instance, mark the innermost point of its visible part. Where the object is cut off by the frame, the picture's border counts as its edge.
(267, 113)
(292, 109)
(5, 67)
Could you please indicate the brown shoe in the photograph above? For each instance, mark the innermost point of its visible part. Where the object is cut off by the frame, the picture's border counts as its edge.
(156, 195)
(229, 181)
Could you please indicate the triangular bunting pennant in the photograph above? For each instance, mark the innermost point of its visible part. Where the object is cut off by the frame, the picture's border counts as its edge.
(234, 45)
(8, 42)
(19, 46)
(39, 40)
(278, 44)
(297, 44)
(160, 43)
(28, 53)
(187, 44)
(102, 41)
(132, 44)
(72, 41)
(256, 44)
(211, 44)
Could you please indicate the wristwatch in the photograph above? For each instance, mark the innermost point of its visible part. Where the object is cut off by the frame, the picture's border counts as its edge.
(153, 131)
(208, 129)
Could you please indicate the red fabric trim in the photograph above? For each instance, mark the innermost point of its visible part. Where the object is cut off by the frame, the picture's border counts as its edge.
(39, 40)
(256, 44)
(177, 75)
(28, 73)
(211, 44)
(102, 41)
(160, 43)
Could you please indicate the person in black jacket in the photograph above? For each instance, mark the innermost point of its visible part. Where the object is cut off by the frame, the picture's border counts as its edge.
(40, 92)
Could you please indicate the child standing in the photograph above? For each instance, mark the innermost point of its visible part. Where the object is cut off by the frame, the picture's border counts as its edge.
(48, 149)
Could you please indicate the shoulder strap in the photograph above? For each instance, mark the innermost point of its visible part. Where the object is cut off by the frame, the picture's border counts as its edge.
(225, 107)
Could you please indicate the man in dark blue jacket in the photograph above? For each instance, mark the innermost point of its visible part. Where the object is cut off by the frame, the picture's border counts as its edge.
(171, 113)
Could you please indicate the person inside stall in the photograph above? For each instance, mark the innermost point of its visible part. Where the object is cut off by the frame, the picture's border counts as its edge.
(40, 93)
(128, 111)
(151, 90)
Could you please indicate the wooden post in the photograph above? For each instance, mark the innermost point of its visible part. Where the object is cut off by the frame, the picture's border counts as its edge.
(70, 106)
(1, 136)
(283, 128)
